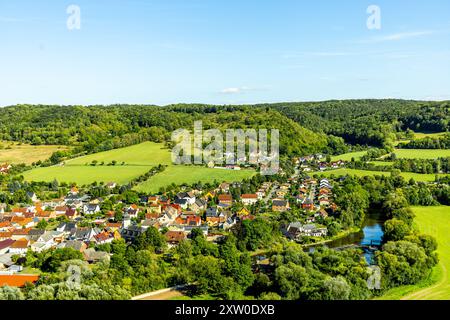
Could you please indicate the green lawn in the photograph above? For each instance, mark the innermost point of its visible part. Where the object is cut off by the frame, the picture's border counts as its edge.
(421, 135)
(348, 156)
(147, 153)
(190, 174)
(422, 153)
(434, 221)
(86, 174)
(138, 160)
(362, 173)
(382, 163)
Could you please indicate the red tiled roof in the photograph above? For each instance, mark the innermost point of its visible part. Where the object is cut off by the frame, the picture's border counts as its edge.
(225, 197)
(20, 244)
(6, 234)
(6, 243)
(175, 236)
(17, 280)
(4, 224)
(21, 232)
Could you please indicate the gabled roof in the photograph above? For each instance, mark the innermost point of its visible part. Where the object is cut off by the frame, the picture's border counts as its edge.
(249, 196)
(20, 244)
(279, 203)
(225, 197)
(17, 280)
(175, 236)
(6, 243)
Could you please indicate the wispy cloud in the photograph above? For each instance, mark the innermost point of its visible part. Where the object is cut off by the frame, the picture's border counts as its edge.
(399, 36)
(318, 54)
(442, 97)
(10, 19)
(244, 89)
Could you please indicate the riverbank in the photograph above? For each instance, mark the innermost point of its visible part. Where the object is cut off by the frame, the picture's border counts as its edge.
(434, 221)
(339, 236)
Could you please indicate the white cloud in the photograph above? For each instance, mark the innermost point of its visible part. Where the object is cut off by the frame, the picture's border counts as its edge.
(399, 36)
(244, 89)
(319, 54)
(443, 97)
(9, 19)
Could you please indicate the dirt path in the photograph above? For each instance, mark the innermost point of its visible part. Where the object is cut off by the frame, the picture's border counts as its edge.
(164, 295)
(429, 292)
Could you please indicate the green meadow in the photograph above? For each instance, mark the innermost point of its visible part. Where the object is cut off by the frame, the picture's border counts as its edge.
(401, 154)
(421, 135)
(132, 162)
(348, 156)
(191, 174)
(81, 175)
(363, 173)
(146, 153)
(434, 221)
(422, 153)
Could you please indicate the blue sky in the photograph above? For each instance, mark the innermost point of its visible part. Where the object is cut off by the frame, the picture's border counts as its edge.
(222, 51)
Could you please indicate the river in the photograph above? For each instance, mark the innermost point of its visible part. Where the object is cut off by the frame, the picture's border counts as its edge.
(372, 232)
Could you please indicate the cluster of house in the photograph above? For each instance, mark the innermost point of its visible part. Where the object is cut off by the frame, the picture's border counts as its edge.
(4, 168)
(317, 163)
(316, 198)
(210, 212)
(19, 230)
(193, 209)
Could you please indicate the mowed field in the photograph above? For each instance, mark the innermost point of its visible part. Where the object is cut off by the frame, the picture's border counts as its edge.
(363, 173)
(190, 174)
(137, 160)
(401, 154)
(144, 154)
(434, 221)
(422, 153)
(14, 153)
(421, 135)
(348, 156)
(82, 175)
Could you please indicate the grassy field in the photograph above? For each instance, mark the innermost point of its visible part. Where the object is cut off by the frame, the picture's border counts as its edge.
(401, 154)
(422, 153)
(420, 135)
(86, 174)
(147, 153)
(362, 173)
(190, 174)
(137, 159)
(434, 221)
(25, 153)
(348, 156)
(382, 163)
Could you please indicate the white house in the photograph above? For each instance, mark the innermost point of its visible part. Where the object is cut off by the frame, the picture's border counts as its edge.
(249, 199)
(91, 208)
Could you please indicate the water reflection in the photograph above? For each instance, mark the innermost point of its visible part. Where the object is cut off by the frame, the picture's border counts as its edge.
(372, 233)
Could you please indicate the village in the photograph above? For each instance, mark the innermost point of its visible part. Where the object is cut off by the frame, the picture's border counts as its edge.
(80, 221)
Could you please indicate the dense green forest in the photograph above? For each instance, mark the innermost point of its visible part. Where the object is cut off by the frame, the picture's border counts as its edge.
(309, 127)
(99, 128)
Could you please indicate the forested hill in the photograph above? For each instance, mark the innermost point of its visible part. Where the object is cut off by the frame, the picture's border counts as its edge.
(98, 128)
(305, 127)
(369, 122)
